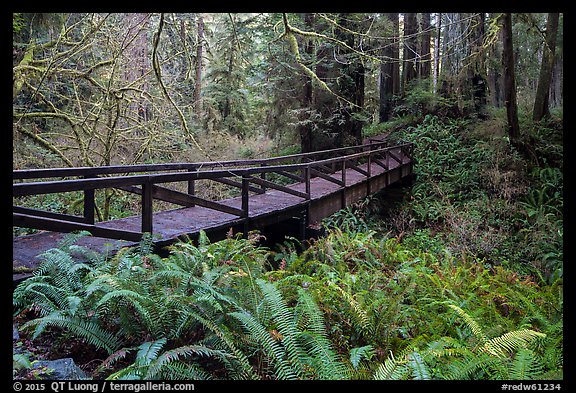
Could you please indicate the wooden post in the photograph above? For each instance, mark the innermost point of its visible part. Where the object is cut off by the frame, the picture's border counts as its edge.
(387, 157)
(263, 177)
(89, 205)
(245, 203)
(147, 207)
(369, 170)
(343, 194)
(191, 187)
(307, 180)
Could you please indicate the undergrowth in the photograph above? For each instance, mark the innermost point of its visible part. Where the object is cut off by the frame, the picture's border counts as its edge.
(351, 306)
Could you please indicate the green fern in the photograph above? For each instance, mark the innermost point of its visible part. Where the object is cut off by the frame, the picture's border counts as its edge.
(20, 361)
(525, 366)
(359, 353)
(293, 339)
(273, 350)
(90, 331)
(511, 342)
(409, 366)
(506, 356)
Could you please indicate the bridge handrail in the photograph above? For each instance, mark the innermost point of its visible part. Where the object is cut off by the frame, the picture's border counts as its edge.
(21, 174)
(149, 190)
(55, 186)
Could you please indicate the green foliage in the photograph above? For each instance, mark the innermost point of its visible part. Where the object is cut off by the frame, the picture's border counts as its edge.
(17, 22)
(476, 195)
(293, 339)
(421, 101)
(20, 362)
(352, 305)
(409, 366)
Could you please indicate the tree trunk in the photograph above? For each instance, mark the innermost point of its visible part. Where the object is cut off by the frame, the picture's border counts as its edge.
(397, 82)
(389, 70)
(437, 52)
(410, 48)
(510, 80)
(478, 65)
(305, 126)
(495, 71)
(541, 105)
(351, 86)
(425, 55)
(556, 86)
(138, 63)
(198, 82)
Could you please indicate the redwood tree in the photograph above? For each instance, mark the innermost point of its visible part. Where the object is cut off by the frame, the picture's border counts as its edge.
(389, 68)
(541, 106)
(509, 79)
(424, 66)
(410, 48)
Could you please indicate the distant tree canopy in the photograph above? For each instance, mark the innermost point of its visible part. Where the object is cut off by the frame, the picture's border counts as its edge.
(101, 89)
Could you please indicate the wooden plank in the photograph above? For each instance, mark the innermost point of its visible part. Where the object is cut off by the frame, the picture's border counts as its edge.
(380, 163)
(358, 169)
(278, 187)
(314, 172)
(50, 224)
(233, 183)
(179, 198)
(290, 176)
(326, 168)
(217, 206)
(99, 170)
(42, 213)
(395, 157)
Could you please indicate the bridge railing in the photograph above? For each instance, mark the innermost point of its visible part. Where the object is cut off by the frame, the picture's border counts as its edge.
(148, 181)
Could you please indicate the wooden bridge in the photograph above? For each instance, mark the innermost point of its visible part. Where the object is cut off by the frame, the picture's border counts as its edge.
(308, 186)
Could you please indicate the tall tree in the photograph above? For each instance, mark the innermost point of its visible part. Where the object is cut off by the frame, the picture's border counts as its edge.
(389, 67)
(397, 82)
(556, 91)
(541, 102)
(199, 58)
(410, 48)
(477, 65)
(509, 79)
(424, 69)
(437, 51)
(494, 64)
(351, 78)
(305, 125)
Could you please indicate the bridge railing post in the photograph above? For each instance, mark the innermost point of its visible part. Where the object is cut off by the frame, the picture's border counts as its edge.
(263, 177)
(343, 195)
(307, 181)
(147, 207)
(89, 204)
(245, 203)
(191, 186)
(369, 174)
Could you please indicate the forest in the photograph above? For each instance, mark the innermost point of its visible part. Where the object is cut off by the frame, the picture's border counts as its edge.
(457, 275)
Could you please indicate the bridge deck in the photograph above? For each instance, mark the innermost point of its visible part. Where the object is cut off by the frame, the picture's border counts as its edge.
(168, 225)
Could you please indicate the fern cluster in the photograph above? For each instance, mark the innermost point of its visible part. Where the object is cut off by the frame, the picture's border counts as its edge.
(389, 298)
(351, 306)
